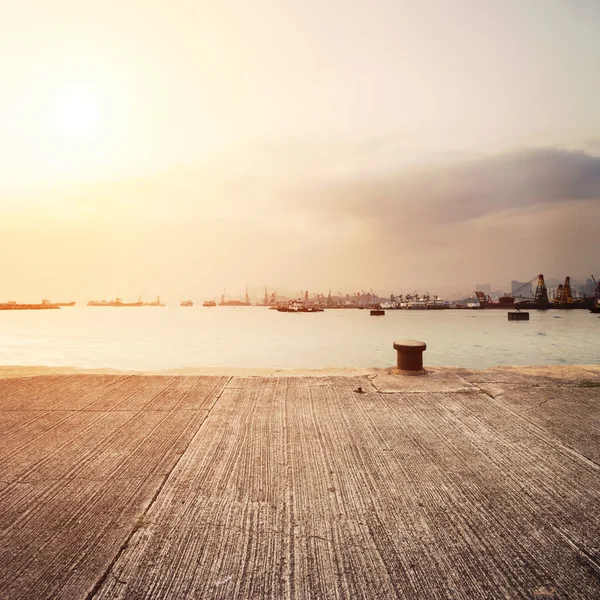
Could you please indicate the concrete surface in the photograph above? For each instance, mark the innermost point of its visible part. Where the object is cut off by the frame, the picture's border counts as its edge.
(457, 484)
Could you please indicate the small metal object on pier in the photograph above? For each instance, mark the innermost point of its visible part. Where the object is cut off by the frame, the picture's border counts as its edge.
(410, 355)
(518, 316)
(377, 312)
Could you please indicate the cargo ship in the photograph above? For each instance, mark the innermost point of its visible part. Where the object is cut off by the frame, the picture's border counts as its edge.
(46, 301)
(12, 305)
(115, 302)
(562, 300)
(119, 302)
(234, 302)
(506, 301)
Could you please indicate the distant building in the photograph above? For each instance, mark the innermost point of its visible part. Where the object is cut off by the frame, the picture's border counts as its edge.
(486, 288)
(521, 288)
(590, 287)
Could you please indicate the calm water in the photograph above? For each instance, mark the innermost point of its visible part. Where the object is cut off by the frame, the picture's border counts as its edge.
(174, 337)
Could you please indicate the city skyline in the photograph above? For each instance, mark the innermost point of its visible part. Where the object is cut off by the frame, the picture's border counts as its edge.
(256, 293)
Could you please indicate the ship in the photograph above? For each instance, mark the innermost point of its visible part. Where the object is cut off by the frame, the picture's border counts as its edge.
(46, 301)
(209, 303)
(298, 306)
(506, 301)
(156, 302)
(186, 303)
(540, 300)
(234, 302)
(425, 302)
(115, 302)
(412, 302)
(13, 305)
(564, 298)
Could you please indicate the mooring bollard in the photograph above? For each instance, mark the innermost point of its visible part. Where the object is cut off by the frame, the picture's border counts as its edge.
(518, 316)
(410, 355)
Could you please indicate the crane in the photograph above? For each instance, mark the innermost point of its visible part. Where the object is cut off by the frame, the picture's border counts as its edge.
(523, 287)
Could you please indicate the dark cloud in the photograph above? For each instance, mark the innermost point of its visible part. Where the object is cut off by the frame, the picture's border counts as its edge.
(455, 192)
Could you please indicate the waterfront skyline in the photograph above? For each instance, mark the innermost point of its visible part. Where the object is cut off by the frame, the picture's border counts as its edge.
(181, 148)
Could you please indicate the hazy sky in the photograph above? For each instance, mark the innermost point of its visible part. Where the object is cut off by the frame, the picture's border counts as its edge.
(185, 146)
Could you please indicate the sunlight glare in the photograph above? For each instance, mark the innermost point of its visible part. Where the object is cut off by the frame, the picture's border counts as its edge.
(78, 111)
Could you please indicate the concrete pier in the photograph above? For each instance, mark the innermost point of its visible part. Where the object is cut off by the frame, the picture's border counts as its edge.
(458, 484)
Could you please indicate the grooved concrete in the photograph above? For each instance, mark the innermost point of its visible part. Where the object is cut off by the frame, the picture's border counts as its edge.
(461, 484)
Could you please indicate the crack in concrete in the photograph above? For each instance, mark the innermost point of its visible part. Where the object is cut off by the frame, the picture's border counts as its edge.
(535, 407)
(546, 433)
(121, 581)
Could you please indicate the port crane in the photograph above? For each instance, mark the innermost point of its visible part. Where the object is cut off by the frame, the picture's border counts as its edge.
(563, 292)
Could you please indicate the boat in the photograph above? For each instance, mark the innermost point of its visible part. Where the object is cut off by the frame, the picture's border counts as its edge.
(540, 300)
(13, 305)
(425, 302)
(186, 303)
(562, 300)
(156, 302)
(234, 302)
(46, 301)
(565, 300)
(298, 306)
(115, 302)
(209, 303)
(506, 301)
(391, 305)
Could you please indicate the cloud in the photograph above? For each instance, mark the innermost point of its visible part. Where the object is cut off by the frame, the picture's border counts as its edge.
(443, 194)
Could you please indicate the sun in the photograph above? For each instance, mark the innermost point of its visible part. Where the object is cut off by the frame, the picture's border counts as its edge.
(82, 127)
(75, 119)
(78, 111)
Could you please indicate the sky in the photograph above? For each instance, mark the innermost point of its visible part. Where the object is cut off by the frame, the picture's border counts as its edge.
(183, 147)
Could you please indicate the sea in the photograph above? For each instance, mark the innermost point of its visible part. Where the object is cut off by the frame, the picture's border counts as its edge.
(173, 337)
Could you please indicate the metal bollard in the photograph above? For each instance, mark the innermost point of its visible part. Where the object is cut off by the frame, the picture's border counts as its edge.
(518, 316)
(410, 355)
